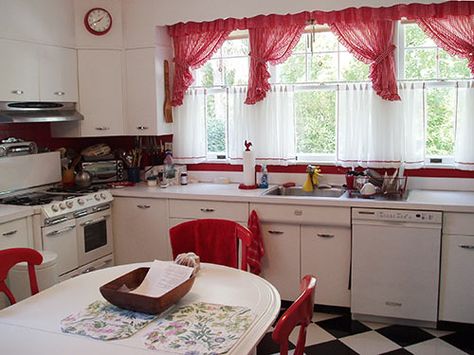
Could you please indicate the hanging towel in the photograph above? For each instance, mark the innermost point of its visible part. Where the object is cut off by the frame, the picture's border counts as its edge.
(215, 241)
(256, 249)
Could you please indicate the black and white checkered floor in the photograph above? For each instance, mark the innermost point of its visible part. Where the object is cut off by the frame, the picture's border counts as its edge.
(335, 334)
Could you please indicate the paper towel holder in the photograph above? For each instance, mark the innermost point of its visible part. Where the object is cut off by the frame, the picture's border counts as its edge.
(248, 168)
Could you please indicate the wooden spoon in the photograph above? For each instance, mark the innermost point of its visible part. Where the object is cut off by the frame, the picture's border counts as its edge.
(167, 110)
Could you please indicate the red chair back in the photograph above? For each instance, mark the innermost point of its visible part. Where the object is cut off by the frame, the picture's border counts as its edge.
(13, 256)
(214, 240)
(299, 313)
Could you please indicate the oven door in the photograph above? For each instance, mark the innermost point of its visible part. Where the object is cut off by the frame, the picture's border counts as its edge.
(61, 238)
(94, 235)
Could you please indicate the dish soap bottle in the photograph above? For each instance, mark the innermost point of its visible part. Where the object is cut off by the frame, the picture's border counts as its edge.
(264, 178)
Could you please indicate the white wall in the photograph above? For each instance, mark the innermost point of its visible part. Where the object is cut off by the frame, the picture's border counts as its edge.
(40, 21)
(140, 16)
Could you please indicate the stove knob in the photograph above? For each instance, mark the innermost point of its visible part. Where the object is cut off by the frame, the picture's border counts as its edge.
(104, 196)
(55, 208)
(80, 201)
(69, 204)
(97, 197)
(62, 206)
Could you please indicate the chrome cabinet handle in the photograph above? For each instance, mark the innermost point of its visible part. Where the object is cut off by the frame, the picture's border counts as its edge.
(7, 234)
(59, 93)
(466, 246)
(142, 128)
(103, 128)
(18, 92)
(323, 235)
(275, 232)
(207, 210)
(143, 207)
(55, 233)
(93, 221)
(298, 212)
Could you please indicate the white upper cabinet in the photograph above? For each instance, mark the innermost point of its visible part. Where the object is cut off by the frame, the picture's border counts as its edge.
(145, 91)
(100, 92)
(58, 74)
(19, 71)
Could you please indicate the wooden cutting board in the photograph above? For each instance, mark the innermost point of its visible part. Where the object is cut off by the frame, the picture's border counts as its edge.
(167, 110)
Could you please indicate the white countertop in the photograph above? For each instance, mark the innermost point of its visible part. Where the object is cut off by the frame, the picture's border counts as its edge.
(436, 200)
(10, 213)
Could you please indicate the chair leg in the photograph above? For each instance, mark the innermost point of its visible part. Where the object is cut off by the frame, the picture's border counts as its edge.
(301, 341)
(7, 292)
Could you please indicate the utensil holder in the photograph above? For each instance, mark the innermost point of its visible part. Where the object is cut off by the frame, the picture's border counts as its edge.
(133, 174)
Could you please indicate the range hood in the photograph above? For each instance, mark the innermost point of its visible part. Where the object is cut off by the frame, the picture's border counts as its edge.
(25, 112)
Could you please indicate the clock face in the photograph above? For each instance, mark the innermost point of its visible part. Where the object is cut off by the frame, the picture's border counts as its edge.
(98, 21)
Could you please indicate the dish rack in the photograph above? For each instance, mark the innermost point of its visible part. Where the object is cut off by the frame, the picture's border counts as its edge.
(390, 187)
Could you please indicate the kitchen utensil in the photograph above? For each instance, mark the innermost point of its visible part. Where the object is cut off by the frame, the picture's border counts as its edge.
(83, 179)
(368, 189)
(167, 110)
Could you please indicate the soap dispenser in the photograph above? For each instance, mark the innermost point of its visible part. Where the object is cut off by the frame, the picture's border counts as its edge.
(264, 178)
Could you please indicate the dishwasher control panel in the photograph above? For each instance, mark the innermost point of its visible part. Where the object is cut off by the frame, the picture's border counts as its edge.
(410, 216)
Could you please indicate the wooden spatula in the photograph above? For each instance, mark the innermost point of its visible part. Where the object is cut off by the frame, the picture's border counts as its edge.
(167, 111)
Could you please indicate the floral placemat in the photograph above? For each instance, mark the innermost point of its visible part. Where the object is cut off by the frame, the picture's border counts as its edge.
(101, 320)
(199, 328)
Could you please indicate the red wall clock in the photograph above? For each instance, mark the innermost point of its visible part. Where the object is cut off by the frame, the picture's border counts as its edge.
(98, 21)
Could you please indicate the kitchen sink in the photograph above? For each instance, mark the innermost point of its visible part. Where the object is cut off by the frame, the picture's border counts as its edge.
(294, 191)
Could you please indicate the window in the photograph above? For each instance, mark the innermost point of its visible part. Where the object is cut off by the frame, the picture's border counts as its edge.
(316, 67)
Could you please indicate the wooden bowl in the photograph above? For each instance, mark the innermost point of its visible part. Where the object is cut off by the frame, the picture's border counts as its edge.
(115, 292)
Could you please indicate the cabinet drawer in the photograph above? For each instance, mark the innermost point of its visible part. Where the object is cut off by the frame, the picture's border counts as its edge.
(334, 216)
(236, 211)
(458, 223)
(14, 234)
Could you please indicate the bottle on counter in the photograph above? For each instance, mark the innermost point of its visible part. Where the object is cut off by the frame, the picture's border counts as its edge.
(183, 179)
(264, 178)
(169, 171)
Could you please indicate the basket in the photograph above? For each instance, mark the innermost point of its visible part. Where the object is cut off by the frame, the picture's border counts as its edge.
(117, 292)
(386, 187)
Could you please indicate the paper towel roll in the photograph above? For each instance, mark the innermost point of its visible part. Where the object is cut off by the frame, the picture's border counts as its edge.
(249, 168)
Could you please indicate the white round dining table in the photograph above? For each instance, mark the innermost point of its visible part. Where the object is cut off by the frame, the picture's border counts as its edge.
(32, 326)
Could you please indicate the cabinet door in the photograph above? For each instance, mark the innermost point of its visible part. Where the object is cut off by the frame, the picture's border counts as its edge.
(281, 262)
(326, 254)
(19, 71)
(58, 74)
(145, 91)
(457, 286)
(100, 92)
(140, 228)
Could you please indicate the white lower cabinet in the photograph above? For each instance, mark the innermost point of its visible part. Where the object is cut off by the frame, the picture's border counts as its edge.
(457, 263)
(326, 253)
(280, 264)
(140, 228)
(16, 233)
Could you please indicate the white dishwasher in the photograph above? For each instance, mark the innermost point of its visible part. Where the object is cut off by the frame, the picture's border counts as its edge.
(395, 264)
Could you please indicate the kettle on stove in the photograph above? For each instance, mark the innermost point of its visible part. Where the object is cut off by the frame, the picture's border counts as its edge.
(83, 179)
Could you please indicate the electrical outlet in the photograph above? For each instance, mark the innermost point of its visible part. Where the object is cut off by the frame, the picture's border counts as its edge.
(169, 146)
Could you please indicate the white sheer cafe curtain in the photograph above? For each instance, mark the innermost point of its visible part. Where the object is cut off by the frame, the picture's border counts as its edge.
(464, 147)
(268, 124)
(189, 129)
(377, 133)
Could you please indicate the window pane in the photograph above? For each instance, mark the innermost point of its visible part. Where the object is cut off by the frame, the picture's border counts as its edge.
(315, 121)
(301, 46)
(420, 63)
(236, 70)
(216, 117)
(235, 48)
(415, 37)
(292, 70)
(353, 69)
(209, 74)
(440, 121)
(451, 67)
(324, 41)
(323, 67)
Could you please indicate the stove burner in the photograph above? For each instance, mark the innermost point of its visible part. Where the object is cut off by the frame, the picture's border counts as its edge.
(78, 190)
(35, 199)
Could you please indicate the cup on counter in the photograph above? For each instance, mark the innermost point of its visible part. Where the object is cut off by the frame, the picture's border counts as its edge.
(133, 174)
(350, 181)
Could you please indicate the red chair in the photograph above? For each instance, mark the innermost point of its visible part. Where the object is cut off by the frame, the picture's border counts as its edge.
(213, 240)
(300, 313)
(11, 257)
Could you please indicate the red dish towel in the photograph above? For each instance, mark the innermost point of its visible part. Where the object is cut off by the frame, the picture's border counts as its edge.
(256, 250)
(214, 241)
